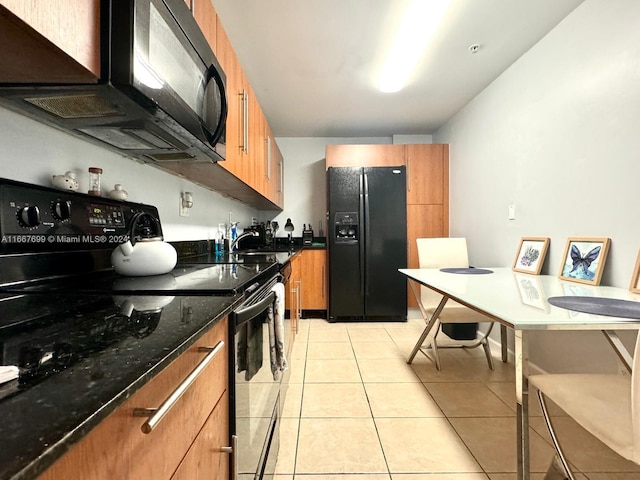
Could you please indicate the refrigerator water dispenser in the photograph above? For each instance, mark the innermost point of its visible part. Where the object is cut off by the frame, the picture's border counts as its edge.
(346, 227)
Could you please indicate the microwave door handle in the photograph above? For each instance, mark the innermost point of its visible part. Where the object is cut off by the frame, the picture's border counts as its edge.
(213, 74)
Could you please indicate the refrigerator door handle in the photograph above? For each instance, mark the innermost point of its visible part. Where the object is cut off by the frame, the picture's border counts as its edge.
(367, 227)
(361, 238)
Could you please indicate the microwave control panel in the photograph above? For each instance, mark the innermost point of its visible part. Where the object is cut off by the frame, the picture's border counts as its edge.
(40, 219)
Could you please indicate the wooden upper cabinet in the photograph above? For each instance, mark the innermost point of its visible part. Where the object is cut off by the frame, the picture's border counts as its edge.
(427, 177)
(235, 86)
(206, 18)
(256, 175)
(365, 155)
(274, 165)
(52, 41)
(277, 173)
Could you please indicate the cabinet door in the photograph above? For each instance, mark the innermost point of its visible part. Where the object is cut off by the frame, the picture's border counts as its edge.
(235, 99)
(314, 267)
(256, 175)
(117, 448)
(279, 159)
(271, 165)
(423, 221)
(294, 290)
(66, 48)
(205, 16)
(205, 459)
(365, 155)
(426, 174)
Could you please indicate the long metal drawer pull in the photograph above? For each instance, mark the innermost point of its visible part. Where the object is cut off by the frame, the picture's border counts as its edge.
(233, 451)
(157, 414)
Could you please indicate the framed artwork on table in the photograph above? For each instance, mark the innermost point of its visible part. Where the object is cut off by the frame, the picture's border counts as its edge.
(530, 255)
(635, 278)
(583, 260)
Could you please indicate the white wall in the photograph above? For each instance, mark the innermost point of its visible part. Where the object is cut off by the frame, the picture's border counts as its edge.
(556, 134)
(32, 152)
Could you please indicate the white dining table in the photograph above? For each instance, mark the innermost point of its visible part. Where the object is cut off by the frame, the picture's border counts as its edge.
(520, 301)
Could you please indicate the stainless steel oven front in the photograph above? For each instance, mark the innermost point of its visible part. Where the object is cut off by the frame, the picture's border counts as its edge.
(255, 393)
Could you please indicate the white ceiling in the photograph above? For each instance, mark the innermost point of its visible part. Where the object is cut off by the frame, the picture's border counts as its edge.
(313, 64)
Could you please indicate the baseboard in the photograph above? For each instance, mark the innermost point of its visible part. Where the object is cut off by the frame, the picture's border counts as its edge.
(497, 347)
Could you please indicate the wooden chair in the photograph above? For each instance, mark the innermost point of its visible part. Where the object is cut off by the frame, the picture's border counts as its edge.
(443, 253)
(606, 405)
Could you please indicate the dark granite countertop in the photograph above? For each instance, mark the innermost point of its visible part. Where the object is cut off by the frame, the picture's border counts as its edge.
(109, 356)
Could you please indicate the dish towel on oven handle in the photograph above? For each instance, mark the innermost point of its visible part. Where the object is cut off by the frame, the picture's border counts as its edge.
(276, 332)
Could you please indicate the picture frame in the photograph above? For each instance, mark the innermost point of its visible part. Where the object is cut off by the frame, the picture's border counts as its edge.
(531, 254)
(634, 286)
(584, 259)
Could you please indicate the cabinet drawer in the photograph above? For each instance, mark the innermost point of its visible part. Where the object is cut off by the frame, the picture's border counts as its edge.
(118, 448)
(205, 459)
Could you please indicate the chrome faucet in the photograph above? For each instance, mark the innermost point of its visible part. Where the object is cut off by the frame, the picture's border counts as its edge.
(242, 235)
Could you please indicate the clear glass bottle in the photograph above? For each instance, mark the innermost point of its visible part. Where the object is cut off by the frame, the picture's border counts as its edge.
(94, 181)
(219, 243)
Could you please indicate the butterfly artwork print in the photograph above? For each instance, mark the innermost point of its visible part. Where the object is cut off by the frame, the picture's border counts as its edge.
(584, 260)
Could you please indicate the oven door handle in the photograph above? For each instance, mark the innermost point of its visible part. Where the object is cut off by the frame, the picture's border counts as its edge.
(247, 313)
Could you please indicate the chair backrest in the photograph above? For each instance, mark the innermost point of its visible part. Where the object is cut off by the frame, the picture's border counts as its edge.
(440, 253)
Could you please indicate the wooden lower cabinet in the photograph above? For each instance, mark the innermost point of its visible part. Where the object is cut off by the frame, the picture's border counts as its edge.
(293, 290)
(314, 280)
(117, 447)
(205, 459)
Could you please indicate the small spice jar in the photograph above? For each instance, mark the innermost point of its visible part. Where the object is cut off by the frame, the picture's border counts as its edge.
(94, 181)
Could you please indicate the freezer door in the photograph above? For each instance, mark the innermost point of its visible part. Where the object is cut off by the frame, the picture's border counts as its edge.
(346, 250)
(385, 236)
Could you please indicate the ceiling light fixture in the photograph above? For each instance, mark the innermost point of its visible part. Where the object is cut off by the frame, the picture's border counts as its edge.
(418, 25)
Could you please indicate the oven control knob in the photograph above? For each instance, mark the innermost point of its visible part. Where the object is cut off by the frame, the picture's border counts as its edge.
(61, 209)
(29, 216)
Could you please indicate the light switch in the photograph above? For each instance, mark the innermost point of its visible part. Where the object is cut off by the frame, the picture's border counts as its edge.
(512, 211)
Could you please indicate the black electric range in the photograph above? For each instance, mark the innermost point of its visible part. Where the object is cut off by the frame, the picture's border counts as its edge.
(83, 337)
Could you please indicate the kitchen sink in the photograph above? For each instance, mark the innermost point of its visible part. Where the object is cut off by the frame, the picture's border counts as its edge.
(263, 251)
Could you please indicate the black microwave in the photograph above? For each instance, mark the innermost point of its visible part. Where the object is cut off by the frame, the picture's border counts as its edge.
(161, 93)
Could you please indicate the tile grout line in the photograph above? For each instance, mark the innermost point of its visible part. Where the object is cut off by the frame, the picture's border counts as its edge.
(373, 419)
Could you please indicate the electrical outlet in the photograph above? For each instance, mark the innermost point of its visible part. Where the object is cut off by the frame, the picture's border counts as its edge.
(182, 211)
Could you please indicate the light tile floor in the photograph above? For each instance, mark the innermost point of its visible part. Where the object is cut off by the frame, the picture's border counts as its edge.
(355, 410)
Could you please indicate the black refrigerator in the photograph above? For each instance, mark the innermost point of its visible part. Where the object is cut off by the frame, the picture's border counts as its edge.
(367, 243)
